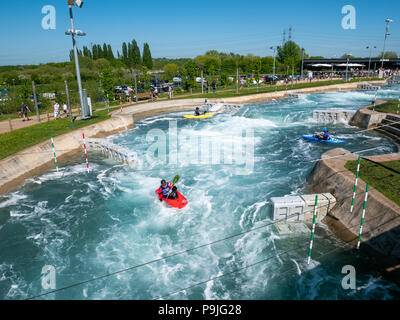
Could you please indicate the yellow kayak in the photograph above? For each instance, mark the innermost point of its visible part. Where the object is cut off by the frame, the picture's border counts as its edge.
(202, 116)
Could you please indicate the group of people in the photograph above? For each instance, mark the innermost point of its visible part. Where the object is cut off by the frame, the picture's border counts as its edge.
(25, 109)
(56, 107)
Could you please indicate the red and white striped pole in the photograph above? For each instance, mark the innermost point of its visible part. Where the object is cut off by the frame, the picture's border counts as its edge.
(84, 146)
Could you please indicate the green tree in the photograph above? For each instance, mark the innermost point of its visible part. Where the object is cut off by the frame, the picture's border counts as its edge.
(267, 65)
(101, 64)
(171, 70)
(146, 78)
(136, 55)
(190, 67)
(110, 54)
(290, 55)
(124, 56)
(389, 55)
(107, 82)
(147, 59)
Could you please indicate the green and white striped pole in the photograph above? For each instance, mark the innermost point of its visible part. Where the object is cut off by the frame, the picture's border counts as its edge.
(355, 184)
(313, 229)
(363, 216)
(54, 152)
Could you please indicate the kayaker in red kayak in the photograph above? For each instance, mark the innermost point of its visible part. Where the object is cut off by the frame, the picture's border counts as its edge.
(168, 190)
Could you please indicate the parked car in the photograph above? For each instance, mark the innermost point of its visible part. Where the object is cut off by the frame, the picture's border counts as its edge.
(177, 79)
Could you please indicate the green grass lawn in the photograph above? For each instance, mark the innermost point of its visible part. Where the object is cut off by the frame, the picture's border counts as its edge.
(17, 140)
(390, 106)
(385, 181)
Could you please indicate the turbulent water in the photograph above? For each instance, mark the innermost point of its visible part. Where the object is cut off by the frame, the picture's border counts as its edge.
(87, 225)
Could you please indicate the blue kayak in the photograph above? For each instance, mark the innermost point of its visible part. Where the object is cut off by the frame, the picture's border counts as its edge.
(331, 140)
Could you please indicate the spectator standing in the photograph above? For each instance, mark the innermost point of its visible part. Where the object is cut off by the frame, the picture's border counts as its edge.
(24, 111)
(214, 86)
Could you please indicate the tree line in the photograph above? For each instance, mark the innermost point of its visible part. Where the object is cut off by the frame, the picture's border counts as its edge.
(129, 57)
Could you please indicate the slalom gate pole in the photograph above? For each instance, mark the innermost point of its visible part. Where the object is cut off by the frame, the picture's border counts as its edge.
(313, 229)
(355, 184)
(363, 216)
(84, 146)
(54, 152)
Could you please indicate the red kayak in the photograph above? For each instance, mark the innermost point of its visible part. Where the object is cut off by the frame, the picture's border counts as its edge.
(179, 202)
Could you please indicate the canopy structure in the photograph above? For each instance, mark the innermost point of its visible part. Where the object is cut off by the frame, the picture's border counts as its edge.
(350, 65)
(321, 65)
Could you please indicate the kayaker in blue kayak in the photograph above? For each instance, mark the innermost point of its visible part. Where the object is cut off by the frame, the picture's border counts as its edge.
(324, 135)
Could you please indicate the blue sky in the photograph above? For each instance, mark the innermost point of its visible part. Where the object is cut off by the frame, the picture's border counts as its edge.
(189, 28)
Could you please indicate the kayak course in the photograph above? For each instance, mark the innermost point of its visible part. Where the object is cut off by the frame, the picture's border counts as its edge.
(87, 225)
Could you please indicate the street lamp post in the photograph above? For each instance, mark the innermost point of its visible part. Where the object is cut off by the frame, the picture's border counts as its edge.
(73, 32)
(302, 60)
(384, 42)
(273, 76)
(369, 62)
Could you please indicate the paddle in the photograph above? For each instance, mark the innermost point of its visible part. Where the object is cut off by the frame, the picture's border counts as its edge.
(176, 179)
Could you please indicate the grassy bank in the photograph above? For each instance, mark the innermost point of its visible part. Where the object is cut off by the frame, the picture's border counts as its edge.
(17, 140)
(390, 106)
(385, 181)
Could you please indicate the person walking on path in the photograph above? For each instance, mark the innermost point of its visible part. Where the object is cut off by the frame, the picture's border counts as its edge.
(24, 111)
(56, 110)
(65, 109)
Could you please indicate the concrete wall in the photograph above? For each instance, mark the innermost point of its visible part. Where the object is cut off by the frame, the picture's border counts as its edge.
(31, 161)
(365, 118)
(382, 220)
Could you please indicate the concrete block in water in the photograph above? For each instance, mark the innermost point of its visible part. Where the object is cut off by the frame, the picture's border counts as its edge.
(333, 115)
(288, 208)
(326, 202)
(301, 208)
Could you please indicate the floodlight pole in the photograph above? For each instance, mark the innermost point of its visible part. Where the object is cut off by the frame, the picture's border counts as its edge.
(369, 62)
(302, 60)
(384, 42)
(78, 74)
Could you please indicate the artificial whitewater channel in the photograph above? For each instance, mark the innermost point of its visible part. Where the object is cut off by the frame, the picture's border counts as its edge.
(86, 225)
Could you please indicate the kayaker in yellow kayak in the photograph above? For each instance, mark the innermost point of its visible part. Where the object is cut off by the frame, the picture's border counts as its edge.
(197, 112)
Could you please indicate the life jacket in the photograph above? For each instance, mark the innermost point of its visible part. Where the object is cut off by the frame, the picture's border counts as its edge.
(166, 189)
(326, 136)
